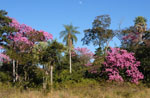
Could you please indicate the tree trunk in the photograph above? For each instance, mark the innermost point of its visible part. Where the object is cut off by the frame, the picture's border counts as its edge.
(44, 84)
(14, 78)
(70, 59)
(141, 37)
(51, 73)
(107, 45)
(25, 73)
(70, 46)
(17, 76)
(44, 78)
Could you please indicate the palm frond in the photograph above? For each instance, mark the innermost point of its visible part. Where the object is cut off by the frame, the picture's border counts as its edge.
(69, 34)
(62, 34)
(65, 40)
(74, 38)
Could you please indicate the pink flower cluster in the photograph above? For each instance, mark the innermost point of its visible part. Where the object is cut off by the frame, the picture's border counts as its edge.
(4, 58)
(1, 47)
(84, 51)
(25, 37)
(20, 38)
(118, 59)
(23, 28)
(20, 27)
(134, 37)
(47, 35)
(83, 54)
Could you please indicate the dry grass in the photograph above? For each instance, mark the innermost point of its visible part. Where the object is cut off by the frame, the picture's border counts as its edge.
(81, 91)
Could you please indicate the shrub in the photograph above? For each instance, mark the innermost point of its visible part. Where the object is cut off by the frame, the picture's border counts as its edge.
(121, 65)
(4, 77)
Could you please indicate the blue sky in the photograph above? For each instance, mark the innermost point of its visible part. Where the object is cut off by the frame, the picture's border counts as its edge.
(50, 15)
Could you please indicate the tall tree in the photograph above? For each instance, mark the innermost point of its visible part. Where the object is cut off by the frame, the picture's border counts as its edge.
(99, 35)
(39, 53)
(141, 26)
(140, 23)
(51, 56)
(69, 37)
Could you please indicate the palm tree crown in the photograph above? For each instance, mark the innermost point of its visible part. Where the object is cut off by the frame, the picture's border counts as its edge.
(68, 34)
(140, 23)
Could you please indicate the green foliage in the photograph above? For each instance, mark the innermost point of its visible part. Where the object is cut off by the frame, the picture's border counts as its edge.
(143, 55)
(99, 52)
(99, 35)
(64, 79)
(4, 77)
(64, 76)
(140, 20)
(34, 77)
(78, 72)
(53, 51)
(4, 28)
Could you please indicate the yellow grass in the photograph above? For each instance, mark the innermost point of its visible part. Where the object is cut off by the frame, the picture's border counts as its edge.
(80, 91)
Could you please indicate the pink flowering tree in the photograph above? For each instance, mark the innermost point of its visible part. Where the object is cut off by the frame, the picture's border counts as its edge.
(21, 41)
(121, 65)
(84, 55)
(25, 37)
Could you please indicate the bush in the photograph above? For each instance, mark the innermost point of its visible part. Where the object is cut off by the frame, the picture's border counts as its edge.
(4, 77)
(121, 65)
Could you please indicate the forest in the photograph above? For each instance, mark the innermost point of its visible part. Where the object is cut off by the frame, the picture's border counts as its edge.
(34, 64)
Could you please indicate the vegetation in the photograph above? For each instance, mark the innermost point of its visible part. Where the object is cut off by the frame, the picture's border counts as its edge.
(33, 64)
(81, 91)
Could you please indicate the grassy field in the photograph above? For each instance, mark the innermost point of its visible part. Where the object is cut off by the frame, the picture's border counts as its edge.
(80, 91)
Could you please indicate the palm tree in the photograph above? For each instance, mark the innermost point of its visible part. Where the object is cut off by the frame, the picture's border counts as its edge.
(141, 26)
(69, 37)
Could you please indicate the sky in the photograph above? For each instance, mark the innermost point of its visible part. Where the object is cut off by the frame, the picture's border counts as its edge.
(51, 15)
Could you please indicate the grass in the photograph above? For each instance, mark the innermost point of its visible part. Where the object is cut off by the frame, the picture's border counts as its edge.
(98, 90)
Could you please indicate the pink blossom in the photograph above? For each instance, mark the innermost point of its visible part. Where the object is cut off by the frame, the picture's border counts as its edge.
(88, 64)
(1, 47)
(133, 37)
(119, 59)
(4, 58)
(84, 54)
(25, 37)
(47, 35)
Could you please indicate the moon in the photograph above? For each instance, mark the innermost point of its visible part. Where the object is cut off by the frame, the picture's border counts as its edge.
(80, 2)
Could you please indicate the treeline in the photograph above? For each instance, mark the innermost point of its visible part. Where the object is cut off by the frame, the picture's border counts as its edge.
(32, 58)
